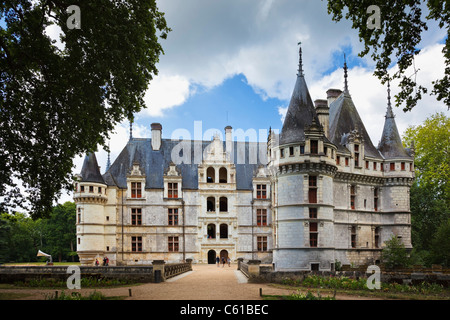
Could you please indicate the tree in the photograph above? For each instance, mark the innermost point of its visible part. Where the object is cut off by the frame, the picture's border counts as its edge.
(394, 254)
(60, 232)
(57, 103)
(401, 24)
(440, 250)
(430, 193)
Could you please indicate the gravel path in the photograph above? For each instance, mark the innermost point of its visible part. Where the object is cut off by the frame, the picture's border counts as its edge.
(204, 282)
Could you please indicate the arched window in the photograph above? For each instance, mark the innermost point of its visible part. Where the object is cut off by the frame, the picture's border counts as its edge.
(223, 204)
(223, 231)
(210, 175)
(223, 176)
(211, 230)
(210, 204)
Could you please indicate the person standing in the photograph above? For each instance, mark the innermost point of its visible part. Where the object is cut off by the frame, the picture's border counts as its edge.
(217, 261)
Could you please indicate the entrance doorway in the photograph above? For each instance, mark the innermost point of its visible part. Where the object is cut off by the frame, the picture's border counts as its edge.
(211, 257)
(224, 254)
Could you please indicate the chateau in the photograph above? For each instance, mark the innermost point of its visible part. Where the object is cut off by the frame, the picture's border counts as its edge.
(314, 194)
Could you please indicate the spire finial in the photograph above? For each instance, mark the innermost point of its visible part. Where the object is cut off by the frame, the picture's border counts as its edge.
(131, 128)
(108, 162)
(345, 75)
(389, 112)
(300, 62)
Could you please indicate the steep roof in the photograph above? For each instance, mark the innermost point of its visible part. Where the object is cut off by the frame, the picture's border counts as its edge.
(153, 163)
(300, 113)
(90, 171)
(390, 145)
(344, 118)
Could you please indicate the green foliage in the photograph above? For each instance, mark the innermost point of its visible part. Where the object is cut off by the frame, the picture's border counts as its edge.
(430, 193)
(21, 237)
(57, 103)
(440, 248)
(402, 24)
(394, 254)
(77, 296)
(309, 296)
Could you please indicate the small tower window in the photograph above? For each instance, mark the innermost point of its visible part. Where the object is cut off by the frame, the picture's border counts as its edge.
(312, 193)
(223, 204)
(211, 204)
(223, 175)
(313, 235)
(353, 237)
(314, 146)
(352, 196)
(210, 175)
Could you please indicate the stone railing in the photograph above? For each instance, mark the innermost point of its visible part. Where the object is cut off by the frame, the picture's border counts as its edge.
(172, 270)
(157, 272)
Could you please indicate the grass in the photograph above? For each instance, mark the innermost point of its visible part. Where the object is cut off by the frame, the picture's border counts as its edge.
(77, 296)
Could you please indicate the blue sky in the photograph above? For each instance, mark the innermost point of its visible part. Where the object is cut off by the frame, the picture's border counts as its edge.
(235, 62)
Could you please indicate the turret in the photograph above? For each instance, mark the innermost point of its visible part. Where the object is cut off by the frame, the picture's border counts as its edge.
(90, 198)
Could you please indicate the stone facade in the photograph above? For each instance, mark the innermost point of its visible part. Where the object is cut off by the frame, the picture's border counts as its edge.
(315, 194)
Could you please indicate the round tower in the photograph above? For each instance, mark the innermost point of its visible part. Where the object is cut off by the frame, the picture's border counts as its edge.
(304, 188)
(90, 199)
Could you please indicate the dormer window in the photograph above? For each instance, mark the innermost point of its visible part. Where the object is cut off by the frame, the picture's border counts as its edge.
(261, 191)
(136, 190)
(314, 149)
(172, 190)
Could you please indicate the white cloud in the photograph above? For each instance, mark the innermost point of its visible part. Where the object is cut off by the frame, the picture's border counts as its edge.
(165, 92)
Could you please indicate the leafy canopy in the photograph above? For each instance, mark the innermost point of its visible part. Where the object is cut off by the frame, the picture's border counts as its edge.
(57, 103)
(402, 23)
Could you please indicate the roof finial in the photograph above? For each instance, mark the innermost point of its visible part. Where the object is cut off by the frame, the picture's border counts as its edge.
(300, 63)
(389, 112)
(345, 76)
(108, 162)
(131, 128)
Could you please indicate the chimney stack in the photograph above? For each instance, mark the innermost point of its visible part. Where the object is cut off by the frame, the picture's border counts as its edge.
(228, 142)
(156, 136)
(323, 113)
(332, 95)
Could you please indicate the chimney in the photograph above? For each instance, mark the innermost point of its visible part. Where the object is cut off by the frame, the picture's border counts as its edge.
(332, 95)
(228, 142)
(323, 113)
(156, 136)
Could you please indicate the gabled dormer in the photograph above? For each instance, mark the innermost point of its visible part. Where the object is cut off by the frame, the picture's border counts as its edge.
(172, 182)
(136, 182)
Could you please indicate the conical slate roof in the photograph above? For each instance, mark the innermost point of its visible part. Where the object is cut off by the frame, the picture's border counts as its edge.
(300, 113)
(391, 146)
(344, 119)
(90, 171)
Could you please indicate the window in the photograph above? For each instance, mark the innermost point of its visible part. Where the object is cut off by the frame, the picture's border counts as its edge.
(291, 151)
(210, 204)
(356, 155)
(173, 216)
(136, 190)
(76, 187)
(223, 231)
(352, 197)
(377, 237)
(262, 243)
(353, 237)
(374, 166)
(392, 166)
(173, 244)
(346, 161)
(313, 213)
(325, 151)
(282, 153)
(261, 217)
(302, 149)
(211, 231)
(81, 188)
(403, 166)
(172, 190)
(223, 176)
(136, 244)
(136, 216)
(367, 164)
(91, 189)
(261, 191)
(99, 189)
(210, 175)
(312, 194)
(375, 199)
(338, 160)
(223, 204)
(313, 234)
(314, 146)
